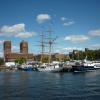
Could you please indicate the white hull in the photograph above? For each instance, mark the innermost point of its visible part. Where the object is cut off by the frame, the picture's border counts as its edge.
(50, 69)
(97, 65)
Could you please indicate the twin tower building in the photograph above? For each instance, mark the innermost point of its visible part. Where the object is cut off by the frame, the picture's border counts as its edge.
(11, 56)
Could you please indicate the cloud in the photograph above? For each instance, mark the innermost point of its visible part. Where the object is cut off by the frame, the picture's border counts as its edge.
(1, 41)
(25, 34)
(41, 18)
(77, 38)
(12, 29)
(94, 32)
(94, 46)
(68, 23)
(70, 49)
(1, 54)
(63, 18)
(17, 30)
(15, 48)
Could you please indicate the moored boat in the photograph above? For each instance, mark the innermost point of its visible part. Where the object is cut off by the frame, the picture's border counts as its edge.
(50, 68)
(83, 66)
(26, 67)
(97, 65)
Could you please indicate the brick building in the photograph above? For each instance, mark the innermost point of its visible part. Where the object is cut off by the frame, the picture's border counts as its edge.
(10, 56)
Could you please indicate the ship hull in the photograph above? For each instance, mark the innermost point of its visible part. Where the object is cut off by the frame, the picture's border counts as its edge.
(82, 68)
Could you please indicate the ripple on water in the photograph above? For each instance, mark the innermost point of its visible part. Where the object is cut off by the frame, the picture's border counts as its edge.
(49, 86)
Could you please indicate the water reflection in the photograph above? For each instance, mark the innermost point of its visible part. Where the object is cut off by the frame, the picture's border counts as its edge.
(51, 86)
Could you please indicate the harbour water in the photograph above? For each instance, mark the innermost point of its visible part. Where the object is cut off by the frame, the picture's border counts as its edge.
(49, 86)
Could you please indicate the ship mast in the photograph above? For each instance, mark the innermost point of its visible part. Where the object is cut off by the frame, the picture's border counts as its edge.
(42, 45)
(50, 42)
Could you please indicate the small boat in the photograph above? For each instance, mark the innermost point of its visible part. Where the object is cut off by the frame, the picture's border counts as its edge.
(26, 67)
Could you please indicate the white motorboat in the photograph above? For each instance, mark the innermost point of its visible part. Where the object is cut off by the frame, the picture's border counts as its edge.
(97, 65)
(84, 66)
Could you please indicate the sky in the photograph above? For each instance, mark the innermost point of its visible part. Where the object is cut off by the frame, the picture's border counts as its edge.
(75, 24)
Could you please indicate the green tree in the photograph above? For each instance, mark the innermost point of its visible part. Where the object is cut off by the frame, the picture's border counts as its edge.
(20, 60)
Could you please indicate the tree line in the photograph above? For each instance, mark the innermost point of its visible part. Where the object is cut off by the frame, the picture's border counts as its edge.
(89, 54)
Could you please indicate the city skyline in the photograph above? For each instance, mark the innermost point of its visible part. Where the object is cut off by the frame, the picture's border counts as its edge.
(75, 23)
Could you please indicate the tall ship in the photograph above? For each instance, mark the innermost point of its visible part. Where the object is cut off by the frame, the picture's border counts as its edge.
(54, 67)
